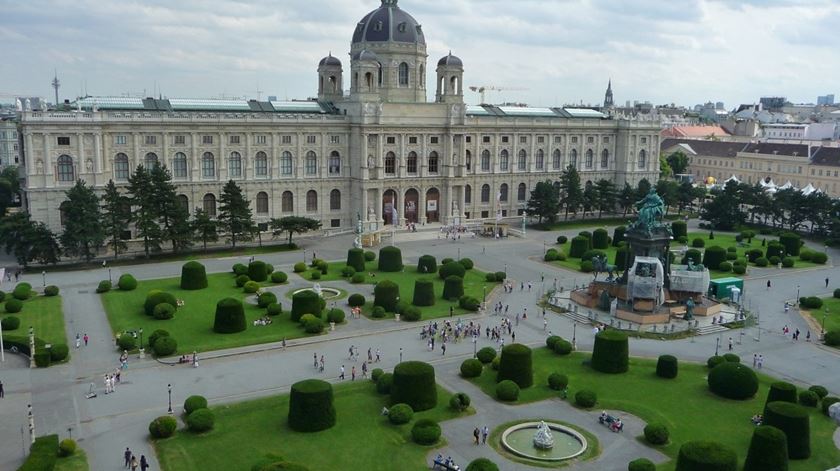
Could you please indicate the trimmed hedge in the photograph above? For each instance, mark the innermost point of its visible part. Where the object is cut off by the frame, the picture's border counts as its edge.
(356, 300)
(43, 454)
(698, 243)
(241, 280)
(158, 333)
(780, 391)
(165, 346)
(794, 421)
(335, 315)
(586, 398)
(600, 239)
(808, 399)
(311, 406)
(375, 374)
(201, 421)
(22, 291)
(819, 258)
(467, 263)
(385, 294)
(679, 229)
(611, 352)
(820, 391)
(279, 277)
(768, 450)
(251, 287)
(486, 354)
(390, 259)
(482, 464)
(299, 267)
(562, 239)
(732, 358)
(384, 383)
(516, 365)
(230, 316)
(356, 259)
(451, 269)
(714, 256)
(193, 276)
(66, 448)
(194, 403)
(471, 368)
(667, 366)
(832, 338)
(414, 384)
(427, 264)
(641, 464)
(274, 309)
(459, 401)
(425, 432)
(257, 271)
(155, 297)
(312, 324)
(706, 456)
(163, 427)
(42, 357)
(306, 302)
(558, 381)
(579, 246)
(656, 434)
(240, 269)
(826, 403)
(624, 258)
(370, 256)
(14, 306)
(59, 352)
(424, 293)
(694, 255)
(400, 414)
(10, 323)
(507, 391)
(266, 299)
(127, 282)
(104, 286)
(126, 342)
(164, 311)
(51, 291)
(791, 241)
(733, 381)
(469, 303)
(453, 288)
(618, 235)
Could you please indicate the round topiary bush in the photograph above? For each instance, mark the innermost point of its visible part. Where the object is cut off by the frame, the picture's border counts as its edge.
(335, 315)
(494, 365)
(356, 259)
(732, 358)
(725, 267)
(230, 316)
(378, 312)
(51, 291)
(155, 297)
(279, 277)
(193, 276)
(357, 278)
(467, 263)
(241, 280)
(274, 309)
(600, 239)
(469, 303)
(384, 383)
(808, 399)
(706, 456)
(781, 391)
(22, 291)
(375, 374)
(390, 259)
(739, 269)
(641, 464)
(425, 432)
(424, 293)
(562, 347)
(10, 323)
(14, 306)
(251, 287)
(788, 262)
(611, 352)
(714, 256)
(257, 271)
(59, 352)
(104, 286)
(201, 421)
(427, 264)
(158, 333)
(269, 268)
(486, 354)
(266, 299)
(694, 255)
(165, 346)
(820, 391)
(586, 398)
(163, 427)
(127, 282)
(299, 267)
(414, 384)
(400, 414)
(306, 302)
(482, 464)
(356, 300)
(826, 403)
(679, 229)
(507, 391)
(768, 450)
(656, 434)
(587, 266)
(347, 272)
(733, 381)
(774, 260)
(370, 256)
(562, 239)
(386, 294)
(550, 255)
(452, 269)
(240, 269)
(312, 324)
(819, 258)
(794, 421)
(164, 311)
(311, 406)
(471, 368)
(516, 365)
(491, 277)
(453, 288)
(411, 314)
(42, 357)
(714, 361)
(667, 367)
(761, 262)
(194, 403)
(775, 249)
(126, 342)
(66, 448)
(551, 340)
(501, 276)
(698, 243)
(459, 402)
(832, 338)
(558, 381)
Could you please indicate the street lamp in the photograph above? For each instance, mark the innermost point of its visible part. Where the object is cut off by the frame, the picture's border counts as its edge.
(797, 295)
(400, 354)
(574, 336)
(505, 270)
(304, 255)
(141, 338)
(44, 277)
(169, 387)
(543, 247)
(109, 275)
(475, 346)
(31, 347)
(31, 422)
(717, 346)
(484, 297)
(822, 329)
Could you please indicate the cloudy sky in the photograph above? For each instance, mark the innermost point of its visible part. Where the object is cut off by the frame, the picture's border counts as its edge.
(561, 51)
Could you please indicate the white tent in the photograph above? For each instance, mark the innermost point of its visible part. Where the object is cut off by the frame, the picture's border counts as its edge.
(733, 178)
(788, 185)
(808, 190)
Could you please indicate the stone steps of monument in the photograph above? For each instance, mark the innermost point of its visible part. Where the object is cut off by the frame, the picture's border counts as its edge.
(577, 317)
(711, 329)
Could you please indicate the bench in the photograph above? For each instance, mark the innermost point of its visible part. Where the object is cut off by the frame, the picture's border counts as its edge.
(608, 422)
(441, 464)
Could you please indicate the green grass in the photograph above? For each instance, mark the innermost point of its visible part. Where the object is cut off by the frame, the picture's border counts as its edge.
(44, 314)
(192, 326)
(832, 320)
(361, 439)
(594, 222)
(77, 462)
(684, 404)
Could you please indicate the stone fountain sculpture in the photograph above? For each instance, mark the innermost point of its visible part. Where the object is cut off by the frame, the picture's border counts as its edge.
(543, 438)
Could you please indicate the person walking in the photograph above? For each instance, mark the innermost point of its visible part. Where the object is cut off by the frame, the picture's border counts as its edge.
(127, 456)
(78, 340)
(826, 282)
(86, 339)
(144, 465)
(134, 463)
(730, 344)
(2, 393)
(476, 435)
(353, 373)
(315, 360)
(341, 376)
(364, 370)
(443, 349)
(377, 355)
(755, 359)
(484, 433)
(768, 285)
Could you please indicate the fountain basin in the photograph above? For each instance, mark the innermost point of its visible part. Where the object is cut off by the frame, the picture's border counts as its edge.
(326, 293)
(519, 440)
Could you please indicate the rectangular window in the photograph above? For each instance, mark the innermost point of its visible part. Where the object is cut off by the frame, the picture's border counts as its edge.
(485, 214)
(311, 139)
(335, 139)
(180, 140)
(644, 140)
(207, 140)
(469, 139)
(286, 139)
(606, 140)
(391, 140)
(433, 140)
(335, 222)
(505, 139)
(485, 139)
(234, 139)
(523, 139)
(590, 140)
(64, 141)
(260, 139)
(119, 140)
(541, 140)
(151, 140)
(179, 168)
(558, 139)
(412, 140)
(574, 139)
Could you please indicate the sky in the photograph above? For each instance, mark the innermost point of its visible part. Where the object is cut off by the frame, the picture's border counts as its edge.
(560, 51)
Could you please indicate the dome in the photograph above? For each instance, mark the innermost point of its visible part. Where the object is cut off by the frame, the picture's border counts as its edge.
(451, 60)
(330, 60)
(365, 55)
(388, 23)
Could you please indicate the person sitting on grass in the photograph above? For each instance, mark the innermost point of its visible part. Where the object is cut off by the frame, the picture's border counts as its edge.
(757, 419)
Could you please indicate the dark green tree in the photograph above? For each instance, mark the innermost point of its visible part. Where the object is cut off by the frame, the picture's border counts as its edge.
(607, 196)
(116, 214)
(173, 217)
(235, 217)
(724, 211)
(293, 225)
(678, 162)
(204, 228)
(627, 198)
(145, 215)
(590, 198)
(83, 233)
(664, 168)
(685, 195)
(9, 188)
(642, 189)
(28, 240)
(571, 194)
(543, 202)
(667, 190)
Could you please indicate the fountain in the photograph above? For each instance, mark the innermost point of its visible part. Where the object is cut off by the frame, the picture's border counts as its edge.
(543, 438)
(543, 441)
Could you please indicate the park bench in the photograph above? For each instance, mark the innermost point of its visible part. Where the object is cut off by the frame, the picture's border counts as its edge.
(608, 421)
(441, 464)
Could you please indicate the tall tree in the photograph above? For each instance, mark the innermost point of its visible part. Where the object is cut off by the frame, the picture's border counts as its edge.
(9, 188)
(724, 211)
(145, 215)
(642, 189)
(678, 162)
(606, 196)
(685, 196)
(571, 194)
(173, 217)
(116, 215)
(293, 225)
(589, 202)
(83, 233)
(627, 198)
(235, 216)
(667, 190)
(204, 227)
(543, 202)
(664, 168)
(28, 240)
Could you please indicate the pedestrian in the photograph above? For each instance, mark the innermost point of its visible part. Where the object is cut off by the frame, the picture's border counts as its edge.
(760, 361)
(284, 347)
(364, 370)
(133, 463)
(443, 349)
(476, 435)
(144, 465)
(517, 318)
(755, 359)
(323, 362)
(86, 339)
(127, 456)
(730, 344)
(370, 356)
(451, 311)
(826, 282)
(341, 376)
(351, 353)
(807, 339)
(513, 337)
(545, 327)
(484, 433)
(377, 355)
(78, 340)
(353, 373)
(315, 360)
(2, 393)
(768, 285)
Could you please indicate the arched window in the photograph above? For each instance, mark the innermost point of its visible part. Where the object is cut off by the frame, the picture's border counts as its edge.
(235, 165)
(521, 192)
(208, 165)
(485, 160)
(433, 162)
(311, 163)
(121, 170)
(150, 161)
(411, 162)
(369, 81)
(504, 160)
(573, 158)
(467, 194)
(262, 203)
(335, 163)
(184, 203)
(540, 159)
(485, 193)
(642, 159)
(287, 202)
(390, 163)
(469, 160)
(605, 158)
(65, 169)
(403, 74)
(311, 201)
(503, 192)
(589, 158)
(523, 160)
(335, 200)
(261, 164)
(557, 160)
(179, 165)
(286, 163)
(209, 204)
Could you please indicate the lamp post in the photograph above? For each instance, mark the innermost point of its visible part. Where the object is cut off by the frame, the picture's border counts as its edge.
(44, 278)
(169, 387)
(717, 346)
(304, 255)
(505, 270)
(483, 298)
(109, 276)
(797, 295)
(400, 354)
(31, 422)
(475, 346)
(822, 328)
(543, 247)
(142, 351)
(31, 347)
(574, 336)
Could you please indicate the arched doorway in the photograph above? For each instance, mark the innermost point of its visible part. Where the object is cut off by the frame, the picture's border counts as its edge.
(389, 207)
(410, 211)
(433, 205)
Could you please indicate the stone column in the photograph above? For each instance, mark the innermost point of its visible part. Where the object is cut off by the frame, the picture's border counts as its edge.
(81, 165)
(421, 205)
(222, 168)
(49, 176)
(97, 149)
(195, 159)
(30, 164)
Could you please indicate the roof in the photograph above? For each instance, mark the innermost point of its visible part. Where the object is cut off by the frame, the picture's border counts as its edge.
(829, 156)
(451, 60)
(330, 60)
(533, 112)
(794, 150)
(694, 131)
(388, 23)
(701, 147)
(187, 104)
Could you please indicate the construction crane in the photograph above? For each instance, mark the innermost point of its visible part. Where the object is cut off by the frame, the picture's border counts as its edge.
(481, 89)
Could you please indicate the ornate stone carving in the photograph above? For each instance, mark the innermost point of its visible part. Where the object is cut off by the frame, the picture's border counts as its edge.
(543, 439)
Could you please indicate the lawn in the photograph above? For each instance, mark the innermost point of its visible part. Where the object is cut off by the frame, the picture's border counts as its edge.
(44, 314)
(475, 285)
(192, 326)
(76, 462)
(594, 222)
(684, 404)
(362, 438)
(832, 320)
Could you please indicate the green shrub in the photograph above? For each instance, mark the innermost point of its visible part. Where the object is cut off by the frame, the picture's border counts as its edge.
(558, 381)
(562, 239)
(812, 302)
(469, 303)
(356, 300)
(127, 342)
(507, 391)
(471, 368)
(424, 293)
(579, 246)
(656, 434)
(164, 311)
(808, 399)
(378, 312)
(588, 236)
(165, 346)
(589, 255)
(42, 357)
(104, 286)
(390, 259)
(618, 235)
(682, 239)
(587, 266)
(14, 306)
(774, 260)
(356, 259)
(240, 269)
(641, 464)
(66, 448)
(725, 267)
(194, 403)
(411, 314)
(600, 239)
(335, 315)
(400, 414)
(623, 258)
(706, 456)
(768, 450)
(550, 255)
(482, 464)
(312, 325)
(386, 294)
(837, 293)
(311, 406)
(714, 361)
(316, 262)
(761, 262)
(414, 384)
(491, 277)
(274, 309)
(267, 298)
(163, 427)
(819, 258)
(305, 302)
(370, 256)
(733, 381)
(562, 347)
(739, 269)
(10, 323)
(820, 391)
(384, 383)
(679, 228)
(832, 338)
(486, 354)
(794, 421)
(713, 257)
(59, 352)
(158, 333)
(500, 276)
(775, 249)
(787, 262)
(425, 432)
(731, 256)
(453, 288)
(299, 267)
(805, 255)
(230, 316)
(791, 242)
(698, 243)
(50, 291)
(780, 391)
(251, 287)
(459, 402)
(827, 402)
(323, 267)
(241, 280)
(551, 340)
(279, 277)
(516, 365)
(754, 254)
(357, 278)
(193, 276)
(610, 353)
(667, 366)
(127, 282)
(22, 291)
(694, 255)
(201, 421)
(451, 269)
(155, 297)
(586, 398)
(347, 272)
(269, 268)
(375, 374)
(494, 365)
(731, 357)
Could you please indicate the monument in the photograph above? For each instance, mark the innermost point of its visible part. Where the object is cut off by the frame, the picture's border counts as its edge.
(543, 438)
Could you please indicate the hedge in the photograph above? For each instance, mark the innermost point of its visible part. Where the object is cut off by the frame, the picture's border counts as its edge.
(414, 384)
(780, 391)
(471, 368)
(713, 257)
(193, 276)
(600, 239)
(469, 303)
(425, 432)
(240, 269)
(467, 263)
(157, 334)
(698, 243)
(558, 381)
(453, 288)
(731, 357)
(618, 235)
(611, 352)
(586, 398)
(826, 403)
(820, 391)
(51, 291)
(378, 312)
(384, 383)
(43, 454)
(641, 464)
(579, 246)
(155, 297)
(768, 450)
(126, 342)
(791, 241)
(257, 271)
(808, 399)
(794, 421)
(311, 406)
(66, 448)
(516, 365)
(624, 258)
(775, 249)
(164, 311)
(299, 267)
(127, 282)
(241, 280)
(279, 277)
(424, 293)
(733, 381)
(370, 256)
(486, 354)
(385, 294)
(335, 315)
(679, 229)
(356, 259)
(562, 239)
(788, 262)
(165, 346)
(762, 262)
(725, 267)
(667, 366)
(819, 258)
(400, 414)
(274, 309)
(163, 427)
(104, 286)
(706, 456)
(230, 316)
(14, 306)
(251, 287)
(42, 357)
(714, 361)
(562, 347)
(459, 401)
(312, 324)
(507, 391)
(356, 300)
(832, 338)
(194, 403)
(306, 302)
(10, 323)
(22, 291)
(201, 421)
(739, 269)
(266, 299)
(390, 259)
(451, 269)
(427, 264)
(656, 434)
(482, 464)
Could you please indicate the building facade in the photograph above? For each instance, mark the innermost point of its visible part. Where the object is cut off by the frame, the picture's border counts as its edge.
(10, 152)
(380, 152)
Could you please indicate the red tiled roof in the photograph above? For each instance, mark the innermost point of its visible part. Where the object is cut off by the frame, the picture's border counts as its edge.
(694, 131)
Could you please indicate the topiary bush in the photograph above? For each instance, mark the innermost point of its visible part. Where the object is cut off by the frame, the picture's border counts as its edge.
(306, 302)
(768, 450)
(386, 294)
(495, 364)
(788, 262)
(586, 398)
(819, 258)
(808, 399)
(451, 269)
(482, 464)
(356, 300)
(725, 267)
(774, 261)
(335, 315)
(558, 381)
(241, 280)
(467, 263)
(507, 391)
(414, 384)
(761, 262)
(733, 381)
(194, 403)
(589, 255)
(51, 290)
(155, 297)
(59, 352)
(230, 316)
(501, 276)
(158, 333)
(516, 365)
(42, 357)
(384, 383)
(427, 264)
(66, 448)
(562, 239)
(164, 311)
(251, 287)
(550, 255)
(714, 361)
(279, 277)
(820, 391)
(611, 352)
(400, 414)
(375, 374)
(193, 276)
(453, 288)
(732, 358)
(562, 347)
(579, 246)
(163, 427)
(600, 239)
(471, 368)
(459, 402)
(266, 299)
(618, 235)
(811, 302)
(491, 277)
(10, 323)
(641, 464)
(791, 242)
(165, 346)
(713, 256)
(832, 338)
(347, 272)
(22, 291)
(127, 342)
(127, 282)
(754, 254)
(201, 421)
(378, 312)
(299, 267)
(311, 406)
(240, 269)
(312, 324)
(694, 255)
(587, 266)
(424, 293)
(698, 243)
(411, 314)
(356, 259)
(679, 229)
(257, 271)
(390, 259)
(370, 256)
(706, 456)
(469, 303)
(827, 402)
(425, 432)
(104, 286)
(357, 278)
(794, 421)
(486, 354)
(274, 309)
(14, 306)
(656, 434)
(781, 391)
(739, 269)
(623, 258)
(667, 366)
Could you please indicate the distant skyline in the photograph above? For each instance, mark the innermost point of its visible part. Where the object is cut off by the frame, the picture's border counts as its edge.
(562, 52)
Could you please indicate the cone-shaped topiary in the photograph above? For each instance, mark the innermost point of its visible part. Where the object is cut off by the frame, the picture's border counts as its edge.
(453, 288)
(414, 384)
(424, 293)
(515, 365)
(230, 316)
(427, 264)
(780, 391)
(390, 259)
(666, 366)
(257, 271)
(305, 302)
(679, 229)
(768, 450)
(356, 259)
(311, 406)
(193, 276)
(794, 421)
(706, 456)
(618, 235)
(611, 352)
(733, 381)
(600, 239)
(450, 269)
(385, 294)
(579, 246)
